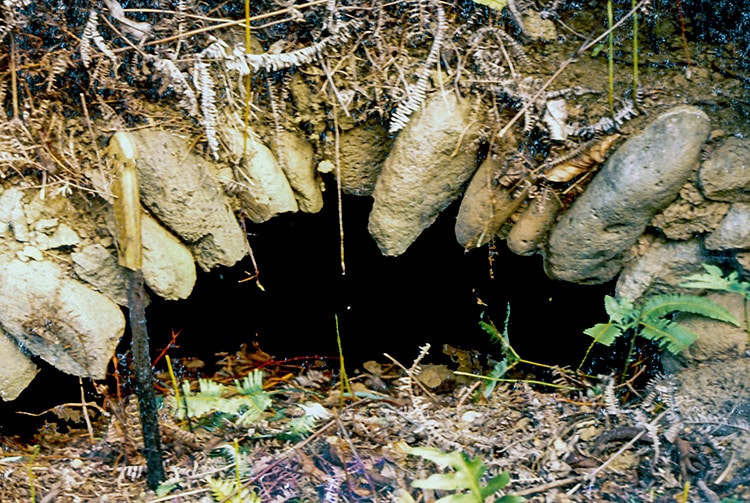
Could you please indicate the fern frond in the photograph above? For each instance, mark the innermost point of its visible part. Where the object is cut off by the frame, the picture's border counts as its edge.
(299, 57)
(669, 335)
(305, 424)
(178, 81)
(205, 83)
(223, 489)
(658, 306)
(604, 333)
(713, 279)
(417, 96)
(251, 384)
(229, 454)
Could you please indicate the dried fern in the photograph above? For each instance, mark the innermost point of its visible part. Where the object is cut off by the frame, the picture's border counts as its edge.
(418, 94)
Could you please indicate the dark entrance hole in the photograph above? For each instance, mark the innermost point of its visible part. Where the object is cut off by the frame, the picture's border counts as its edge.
(431, 293)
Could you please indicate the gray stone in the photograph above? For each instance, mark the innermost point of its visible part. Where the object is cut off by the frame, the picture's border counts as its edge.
(97, 266)
(168, 267)
(530, 230)
(296, 155)
(485, 206)
(661, 269)
(178, 190)
(362, 153)
(725, 175)
(733, 231)
(16, 369)
(59, 319)
(64, 236)
(431, 160)
(591, 239)
(262, 187)
(12, 215)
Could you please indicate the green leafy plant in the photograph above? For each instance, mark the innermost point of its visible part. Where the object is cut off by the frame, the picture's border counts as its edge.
(228, 490)
(244, 402)
(650, 320)
(510, 358)
(466, 477)
(714, 279)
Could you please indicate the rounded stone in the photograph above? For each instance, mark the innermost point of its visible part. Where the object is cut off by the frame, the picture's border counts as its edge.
(590, 241)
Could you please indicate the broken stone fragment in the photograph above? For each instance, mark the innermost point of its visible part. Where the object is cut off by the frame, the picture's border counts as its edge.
(98, 267)
(262, 187)
(297, 162)
(733, 232)
(431, 160)
(661, 269)
(16, 368)
(590, 241)
(178, 190)
(168, 267)
(530, 230)
(67, 324)
(12, 215)
(486, 205)
(725, 175)
(362, 152)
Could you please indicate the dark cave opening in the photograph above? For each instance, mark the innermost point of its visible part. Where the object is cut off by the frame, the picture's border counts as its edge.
(435, 292)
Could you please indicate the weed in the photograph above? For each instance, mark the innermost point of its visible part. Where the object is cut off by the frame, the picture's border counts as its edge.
(465, 479)
(714, 279)
(650, 321)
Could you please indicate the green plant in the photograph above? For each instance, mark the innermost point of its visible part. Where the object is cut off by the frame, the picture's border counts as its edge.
(466, 477)
(650, 321)
(244, 402)
(714, 279)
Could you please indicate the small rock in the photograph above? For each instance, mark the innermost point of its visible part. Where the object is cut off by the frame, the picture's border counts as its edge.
(297, 163)
(30, 253)
(528, 233)
(689, 215)
(168, 267)
(95, 265)
(424, 172)
(717, 340)
(59, 319)
(725, 175)
(663, 267)
(16, 369)
(591, 239)
(485, 206)
(263, 189)
(11, 213)
(733, 231)
(46, 225)
(362, 152)
(63, 236)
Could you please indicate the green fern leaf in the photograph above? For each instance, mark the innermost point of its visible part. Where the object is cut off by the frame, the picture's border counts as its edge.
(658, 306)
(669, 335)
(222, 489)
(619, 311)
(713, 279)
(604, 333)
(251, 384)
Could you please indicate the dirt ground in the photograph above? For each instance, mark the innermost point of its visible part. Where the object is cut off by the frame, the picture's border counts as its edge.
(298, 438)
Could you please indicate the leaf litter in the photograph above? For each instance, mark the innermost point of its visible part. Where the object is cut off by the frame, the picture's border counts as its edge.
(297, 438)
